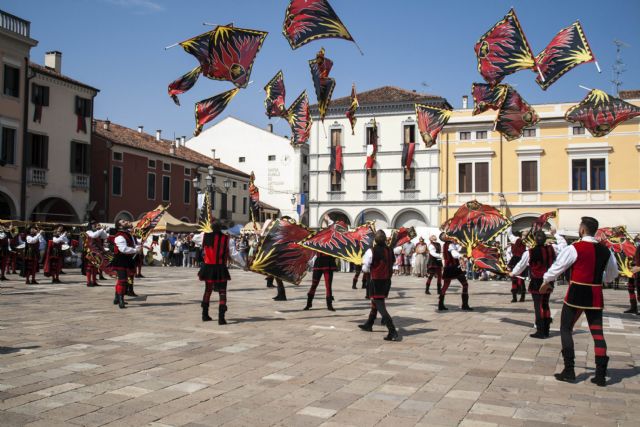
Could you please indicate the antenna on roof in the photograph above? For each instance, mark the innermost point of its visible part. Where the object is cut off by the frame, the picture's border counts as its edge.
(618, 66)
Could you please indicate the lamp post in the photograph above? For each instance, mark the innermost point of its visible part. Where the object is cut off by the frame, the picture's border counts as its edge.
(293, 203)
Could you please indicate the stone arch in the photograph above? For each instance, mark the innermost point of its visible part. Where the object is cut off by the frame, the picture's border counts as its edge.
(126, 215)
(54, 209)
(410, 218)
(381, 219)
(7, 207)
(335, 215)
(523, 221)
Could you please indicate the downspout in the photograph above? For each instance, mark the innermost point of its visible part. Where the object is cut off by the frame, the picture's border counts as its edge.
(25, 134)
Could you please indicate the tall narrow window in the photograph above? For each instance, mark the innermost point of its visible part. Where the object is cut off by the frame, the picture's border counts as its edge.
(473, 177)
(409, 134)
(336, 181)
(38, 149)
(579, 175)
(598, 174)
(166, 188)
(481, 174)
(151, 186)
(370, 135)
(8, 148)
(116, 181)
(80, 158)
(409, 179)
(11, 81)
(336, 137)
(187, 191)
(465, 178)
(234, 199)
(372, 179)
(529, 178)
(244, 206)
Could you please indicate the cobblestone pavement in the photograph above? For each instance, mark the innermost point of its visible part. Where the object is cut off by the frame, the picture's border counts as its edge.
(70, 357)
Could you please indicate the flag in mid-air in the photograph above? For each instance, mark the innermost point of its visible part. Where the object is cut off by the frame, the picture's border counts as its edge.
(275, 99)
(299, 118)
(431, 120)
(308, 20)
(600, 113)
(208, 109)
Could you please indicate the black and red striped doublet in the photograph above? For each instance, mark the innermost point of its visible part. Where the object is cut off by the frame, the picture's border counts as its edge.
(585, 289)
(540, 259)
(381, 272)
(215, 247)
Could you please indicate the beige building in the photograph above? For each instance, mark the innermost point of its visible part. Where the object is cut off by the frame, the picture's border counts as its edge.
(58, 143)
(15, 45)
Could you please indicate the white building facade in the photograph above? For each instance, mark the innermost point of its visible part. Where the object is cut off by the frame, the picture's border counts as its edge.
(281, 170)
(391, 195)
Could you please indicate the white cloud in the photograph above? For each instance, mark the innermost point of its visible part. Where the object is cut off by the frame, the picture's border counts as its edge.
(144, 5)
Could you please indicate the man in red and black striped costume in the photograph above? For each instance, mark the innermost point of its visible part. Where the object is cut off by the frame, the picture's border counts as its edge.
(214, 272)
(451, 255)
(592, 265)
(125, 250)
(323, 266)
(518, 248)
(539, 259)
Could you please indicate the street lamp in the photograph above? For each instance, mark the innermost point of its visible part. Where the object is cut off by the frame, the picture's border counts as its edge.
(293, 199)
(227, 185)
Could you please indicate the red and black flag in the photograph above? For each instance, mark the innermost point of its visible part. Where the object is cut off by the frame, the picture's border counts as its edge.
(515, 115)
(308, 20)
(324, 85)
(568, 49)
(431, 120)
(206, 218)
(208, 109)
(254, 198)
(600, 113)
(372, 145)
(183, 84)
(487, 97)
(402, 235)
(538, 225)
(475, 223)
(618, 240)
(408, 150)
(299, 118)
(336, 159)
(148, 222)
(339, 242)
(486, 257)
(278, 253)
(275, 100)
(353, 107)
(503, 50)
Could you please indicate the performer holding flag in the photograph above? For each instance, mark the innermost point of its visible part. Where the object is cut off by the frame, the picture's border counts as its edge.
(53, 256)
(592, 265)
(123, 261)
(452, 256)
(434, 264)
(95, 236)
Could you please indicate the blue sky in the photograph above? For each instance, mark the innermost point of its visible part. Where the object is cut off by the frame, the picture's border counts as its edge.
(118, 47)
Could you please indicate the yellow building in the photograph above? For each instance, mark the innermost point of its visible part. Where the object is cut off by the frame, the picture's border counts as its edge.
(556, 165)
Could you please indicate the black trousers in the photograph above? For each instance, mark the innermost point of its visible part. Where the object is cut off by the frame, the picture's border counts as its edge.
(568, 319)
(541, 308)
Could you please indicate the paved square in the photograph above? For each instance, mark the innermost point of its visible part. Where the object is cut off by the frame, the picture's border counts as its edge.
(70, 357)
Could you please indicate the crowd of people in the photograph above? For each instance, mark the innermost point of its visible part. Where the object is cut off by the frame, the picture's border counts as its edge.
(185, 249)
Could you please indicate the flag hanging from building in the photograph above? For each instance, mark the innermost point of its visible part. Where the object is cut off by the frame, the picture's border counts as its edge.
(308, 20)
(323, 84)
(205, 219)
(408, 149)
(208, 109)
(275, 99)
(372, 145)
(278, 254)
(568, 49)
(335, 164)
(183, 84)
(503, 50)
(353, 107)
(600, 113)
(302, 202)
(487, 97)
(254, 199)
(515, 115)
(299, 119)
(431, 120)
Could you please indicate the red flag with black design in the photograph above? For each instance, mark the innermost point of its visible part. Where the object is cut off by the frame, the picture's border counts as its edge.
(600, 113)
(183, 84)
(299, 118)
(339, 242)
(487, 97)
(486, 257)
(408, 150)
(515, 115)
(618, 240)
(503, 50)
(431, 120)
(210, 108)
(275, 100)
(308, 20)
(568, 49)
(323, 84)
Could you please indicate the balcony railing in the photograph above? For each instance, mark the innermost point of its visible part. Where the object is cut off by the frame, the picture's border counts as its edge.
(336, 196)
(410, 194)
(372, 195)
(80, 181)
(13, 23)
(37, 176)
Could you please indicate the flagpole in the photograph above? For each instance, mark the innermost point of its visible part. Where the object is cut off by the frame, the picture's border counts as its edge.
(204, 23)
(584, 87)
(540, 73)
(358, 46)
(597, 66)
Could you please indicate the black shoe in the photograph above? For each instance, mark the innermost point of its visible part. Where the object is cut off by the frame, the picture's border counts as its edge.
(441, 306)
(632, 310)
(601, 371)
(270, 285)
(393, 333)
(330, 304)
(96, 284)
(465, 307)
(101, 277)
(354, 286)
(366, 327)
(426, 291)
(121, 302)
(568, 374)
(221, 310)
(280, 298)
(538, 334)
(522, 297)
(2, 278)
(205, 312)
(514, 297)
(465, 303)
(309, 302)
(33, 282)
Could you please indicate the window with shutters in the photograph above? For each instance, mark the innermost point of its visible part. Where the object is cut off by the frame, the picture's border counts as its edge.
(409, 133)
(371, 133)
(166, 188)
(11, 82)
(83, 107)
(481, 177)
(473, 177)
(372, 179)
(579, 175)
(598, 174)
(464, 136)
(151, 186)
(40, 95)
(187, 191)
(38, 151)
(80, 158)
(336, 137)
(8, 146)
(529, 175)
(481, 134)
(116, 181)
(336, 181)
(409, 178)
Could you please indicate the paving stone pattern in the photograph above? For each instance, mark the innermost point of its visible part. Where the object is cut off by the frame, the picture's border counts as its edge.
(68, 357)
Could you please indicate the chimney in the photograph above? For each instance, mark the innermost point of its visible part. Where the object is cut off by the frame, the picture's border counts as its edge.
(106, 125)
(270, 127)
(53, 60)
(183, 140)
(465, 102)
(158, 134)
(172, 149)
(140, 129)
(213, 153)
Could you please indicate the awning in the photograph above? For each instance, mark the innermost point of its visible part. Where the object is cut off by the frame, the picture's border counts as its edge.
(169, 223)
